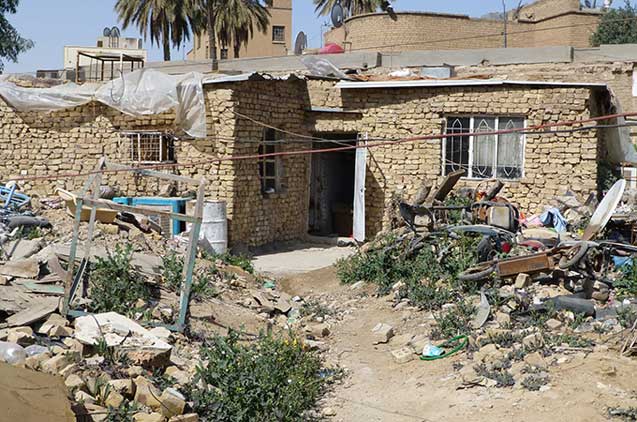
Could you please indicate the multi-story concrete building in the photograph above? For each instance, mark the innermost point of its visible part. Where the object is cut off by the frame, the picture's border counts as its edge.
(275, 41)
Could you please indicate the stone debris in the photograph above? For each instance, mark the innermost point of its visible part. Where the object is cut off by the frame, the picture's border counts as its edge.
(382, 333)
(403, 355)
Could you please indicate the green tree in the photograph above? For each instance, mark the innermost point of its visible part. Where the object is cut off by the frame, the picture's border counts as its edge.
(226, 20)
(617, 26)
(11, 43)
(167, 21)
(351, 7)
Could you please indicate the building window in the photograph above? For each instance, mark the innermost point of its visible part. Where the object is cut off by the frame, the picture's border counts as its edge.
(278, 33)
(224, 54)
(269, 167)
(484, 156)
(151, 147)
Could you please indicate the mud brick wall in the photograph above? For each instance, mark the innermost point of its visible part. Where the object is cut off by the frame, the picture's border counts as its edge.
(553, 163)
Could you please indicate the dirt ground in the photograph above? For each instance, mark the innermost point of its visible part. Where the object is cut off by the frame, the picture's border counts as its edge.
(377, 388)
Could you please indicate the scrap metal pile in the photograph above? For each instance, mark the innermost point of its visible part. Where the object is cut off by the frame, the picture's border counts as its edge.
(589, 262)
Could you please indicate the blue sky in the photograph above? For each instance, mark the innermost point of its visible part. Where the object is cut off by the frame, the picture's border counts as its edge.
(52, 24)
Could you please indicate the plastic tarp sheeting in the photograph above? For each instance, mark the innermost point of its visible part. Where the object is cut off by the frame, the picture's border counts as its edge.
(618, 140)
(140, 93)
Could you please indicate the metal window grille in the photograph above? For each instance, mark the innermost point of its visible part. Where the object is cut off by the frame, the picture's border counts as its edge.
(484, 156)
(278, 33)
(224, 54)
(268, 166)
(150, 147)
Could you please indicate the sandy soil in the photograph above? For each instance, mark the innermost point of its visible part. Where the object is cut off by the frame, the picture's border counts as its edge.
(379, 389)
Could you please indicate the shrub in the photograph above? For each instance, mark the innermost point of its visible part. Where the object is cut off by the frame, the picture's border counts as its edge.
(455, 321)
(501, 376)
(227, 258)
(173, 266)
(270, 379)
(627, 316)
(115, 284)
(626, 284)
(534, 382)
(316, 308)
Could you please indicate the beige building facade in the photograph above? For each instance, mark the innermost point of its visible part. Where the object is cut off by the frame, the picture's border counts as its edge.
(540, 24)
(275, 41)
(274, 199)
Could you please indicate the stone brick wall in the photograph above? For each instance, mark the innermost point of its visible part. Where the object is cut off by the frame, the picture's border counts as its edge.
(543, 9)
(618, 76)
(553, 163)
(434, 31)
(72, 141)
(259, 218)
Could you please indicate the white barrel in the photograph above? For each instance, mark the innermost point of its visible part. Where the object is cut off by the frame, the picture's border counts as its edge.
(214, 227)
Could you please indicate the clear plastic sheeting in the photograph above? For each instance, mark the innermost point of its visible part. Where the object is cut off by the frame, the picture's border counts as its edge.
(140, 93)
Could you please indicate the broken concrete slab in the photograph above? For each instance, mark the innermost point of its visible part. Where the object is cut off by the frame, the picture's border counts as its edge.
(22, 248)
(522, 281)
(173, 403)
(40, 310)
(21, 268)
(139, 344)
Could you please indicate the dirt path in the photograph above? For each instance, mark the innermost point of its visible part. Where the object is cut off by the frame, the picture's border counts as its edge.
(378, 389)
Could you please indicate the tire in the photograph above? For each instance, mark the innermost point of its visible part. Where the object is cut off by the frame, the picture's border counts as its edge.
(477, 273)
(486, 250)
(573, 255)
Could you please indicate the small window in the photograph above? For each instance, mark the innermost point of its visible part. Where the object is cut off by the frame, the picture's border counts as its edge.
(484, 156)
(269, 166)
(151, 147)
(278, 33)
(100, 43)
(224, 54)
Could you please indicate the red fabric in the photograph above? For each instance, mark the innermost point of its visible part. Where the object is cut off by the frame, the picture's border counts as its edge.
(331, 49)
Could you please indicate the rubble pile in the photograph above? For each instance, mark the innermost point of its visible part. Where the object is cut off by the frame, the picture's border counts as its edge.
(531, 293)
(128, 363)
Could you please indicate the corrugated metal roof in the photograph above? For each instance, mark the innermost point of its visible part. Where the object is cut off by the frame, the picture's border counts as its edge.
(435, 83)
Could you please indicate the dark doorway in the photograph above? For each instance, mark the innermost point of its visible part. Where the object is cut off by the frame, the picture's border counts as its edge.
(332, 186)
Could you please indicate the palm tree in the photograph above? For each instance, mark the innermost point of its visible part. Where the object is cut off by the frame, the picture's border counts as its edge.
(166, 20)
(229, 20)
(236, 22)
(351, 7)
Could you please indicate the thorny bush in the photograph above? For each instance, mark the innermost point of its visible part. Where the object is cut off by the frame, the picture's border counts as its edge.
(270, 379)
(115, 284)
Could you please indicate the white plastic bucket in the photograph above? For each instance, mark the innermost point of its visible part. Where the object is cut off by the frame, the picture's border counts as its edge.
(214, 227)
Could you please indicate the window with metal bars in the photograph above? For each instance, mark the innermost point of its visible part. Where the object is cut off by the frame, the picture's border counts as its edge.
(484, 156)
(278, 33)
(151, 147)
(269, 172)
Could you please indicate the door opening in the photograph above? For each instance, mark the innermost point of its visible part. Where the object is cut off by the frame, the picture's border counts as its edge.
(332, 187)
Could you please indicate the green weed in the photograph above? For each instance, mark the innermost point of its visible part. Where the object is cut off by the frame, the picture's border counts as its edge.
(626, 284)
(270, 379)
(115, 284)
(454, 322)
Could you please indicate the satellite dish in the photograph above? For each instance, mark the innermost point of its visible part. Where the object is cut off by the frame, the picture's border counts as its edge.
(107, 32)
(115, 32)
(300, 44)
(337, 14)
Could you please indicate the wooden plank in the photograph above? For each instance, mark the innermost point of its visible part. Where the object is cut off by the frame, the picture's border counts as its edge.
(138, 210)
(40, 310)
(153, 173)
(47, 289)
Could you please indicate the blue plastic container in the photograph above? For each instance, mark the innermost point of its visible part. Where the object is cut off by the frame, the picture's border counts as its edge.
(178, 205)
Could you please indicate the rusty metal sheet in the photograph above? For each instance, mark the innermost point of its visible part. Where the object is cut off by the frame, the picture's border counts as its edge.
(447, 185)
(525, 264)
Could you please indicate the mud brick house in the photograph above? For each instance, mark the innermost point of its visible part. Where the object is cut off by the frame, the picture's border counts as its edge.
(284, 197)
